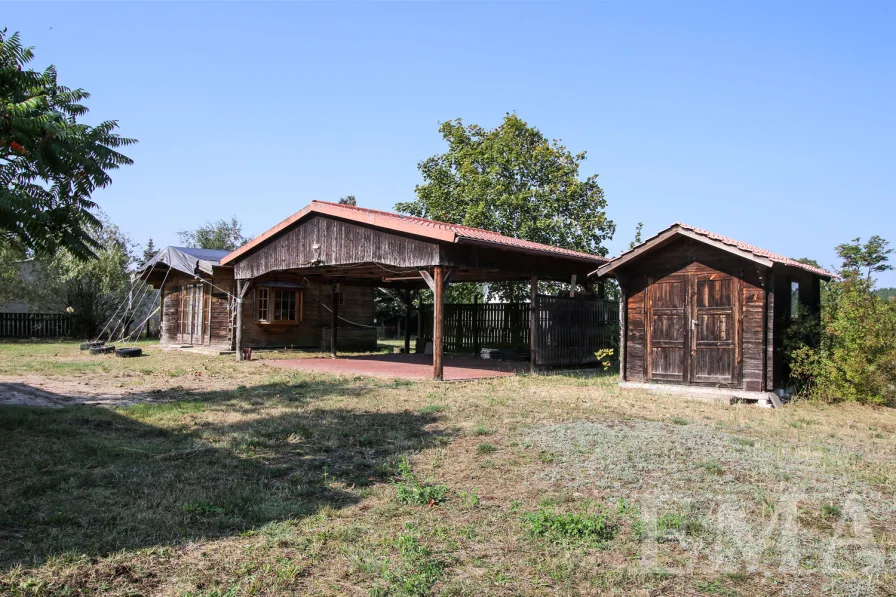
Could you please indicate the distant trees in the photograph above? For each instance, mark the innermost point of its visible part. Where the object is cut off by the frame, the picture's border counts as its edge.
(854, 357)
(50, 164)
(348, 200)
(221, 234)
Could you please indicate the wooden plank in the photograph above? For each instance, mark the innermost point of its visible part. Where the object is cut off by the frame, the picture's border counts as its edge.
(533, 324)
(438, 323)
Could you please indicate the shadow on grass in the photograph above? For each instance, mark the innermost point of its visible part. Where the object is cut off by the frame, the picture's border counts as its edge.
(92, 481)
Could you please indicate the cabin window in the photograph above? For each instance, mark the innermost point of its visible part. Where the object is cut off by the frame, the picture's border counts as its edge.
(794, 300)
(279, 305)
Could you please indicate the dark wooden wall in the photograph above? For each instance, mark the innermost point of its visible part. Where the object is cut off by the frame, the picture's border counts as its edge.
(219, 306)
(809, 298)
(340, 243)
(691, 257)
(314, 329)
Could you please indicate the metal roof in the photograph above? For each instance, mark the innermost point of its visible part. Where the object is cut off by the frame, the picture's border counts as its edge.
(431, 229)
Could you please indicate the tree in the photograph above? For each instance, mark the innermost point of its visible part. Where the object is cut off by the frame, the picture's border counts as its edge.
(91, 290)
(637, 240)
(50, 164)
(149, 251)
(220, 234)
(348, 200)
(512, 180)
(854, 357)
(871, 257)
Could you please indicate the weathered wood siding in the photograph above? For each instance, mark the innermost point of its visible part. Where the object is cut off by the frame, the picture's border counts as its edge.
(688, 257)
(314, 329)
(219, 331)
(340, 243)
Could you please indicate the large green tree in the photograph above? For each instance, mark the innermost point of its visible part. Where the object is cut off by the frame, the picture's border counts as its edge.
(513, 180)
(50, 163)
(221, 234)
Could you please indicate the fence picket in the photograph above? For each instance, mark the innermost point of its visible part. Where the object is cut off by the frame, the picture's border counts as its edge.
(35, 325)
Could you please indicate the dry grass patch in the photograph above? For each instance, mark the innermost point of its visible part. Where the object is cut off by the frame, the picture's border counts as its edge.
(251, 480)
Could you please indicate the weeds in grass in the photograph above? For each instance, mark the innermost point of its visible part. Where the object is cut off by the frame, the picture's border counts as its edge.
(684, 522)
(712, 467)
(481, 430)
(416, 573)
(412, 491)
(679, 421)
(203, 509)
(431, 409)
(485, 448)
(590, 527)
(469, 498)
(830, 511)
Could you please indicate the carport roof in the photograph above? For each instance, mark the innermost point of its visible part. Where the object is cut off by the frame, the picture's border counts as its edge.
(422, 227)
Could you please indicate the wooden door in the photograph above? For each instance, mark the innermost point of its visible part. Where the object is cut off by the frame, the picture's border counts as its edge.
(667, 329)
(714, 338)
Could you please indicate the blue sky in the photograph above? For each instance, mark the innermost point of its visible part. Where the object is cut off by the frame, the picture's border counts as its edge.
(770, 122)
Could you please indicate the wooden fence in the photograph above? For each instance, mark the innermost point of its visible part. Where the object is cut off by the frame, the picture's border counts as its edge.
(35, 325)
(570, 329)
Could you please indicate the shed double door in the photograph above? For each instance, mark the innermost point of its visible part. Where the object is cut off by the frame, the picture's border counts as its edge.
(193, 314)
(693, 329)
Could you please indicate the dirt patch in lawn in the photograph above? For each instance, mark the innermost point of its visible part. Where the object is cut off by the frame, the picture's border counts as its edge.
(57, 392)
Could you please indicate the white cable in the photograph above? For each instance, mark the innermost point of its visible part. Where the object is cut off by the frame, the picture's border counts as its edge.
(360, 325)
(120, 305)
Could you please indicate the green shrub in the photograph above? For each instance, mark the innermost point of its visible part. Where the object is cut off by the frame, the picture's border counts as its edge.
(849, 351)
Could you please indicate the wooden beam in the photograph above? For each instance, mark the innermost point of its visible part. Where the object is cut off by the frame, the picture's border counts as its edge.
(623, 321)
(769, 332)
(428, 279)
(335, 320)
(407, 322)
(572, 287)
(533, 324)
(438, 316)
(238, 332)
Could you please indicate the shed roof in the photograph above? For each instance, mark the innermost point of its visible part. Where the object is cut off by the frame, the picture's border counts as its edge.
(185, 259)
(737, 247)
(431, 229)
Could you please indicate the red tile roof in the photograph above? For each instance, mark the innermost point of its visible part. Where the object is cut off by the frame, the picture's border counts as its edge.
(693, 231)
(411, 225)
(756, 250)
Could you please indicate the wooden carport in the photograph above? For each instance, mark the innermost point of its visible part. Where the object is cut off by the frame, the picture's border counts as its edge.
(340, 244)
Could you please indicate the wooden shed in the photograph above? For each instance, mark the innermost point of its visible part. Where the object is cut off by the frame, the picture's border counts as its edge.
(198, 306)
(704, 311)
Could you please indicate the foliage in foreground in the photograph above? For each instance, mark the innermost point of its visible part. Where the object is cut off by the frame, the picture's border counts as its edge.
(412, 491)
(591, 527)
(50, 164)
(853, 354)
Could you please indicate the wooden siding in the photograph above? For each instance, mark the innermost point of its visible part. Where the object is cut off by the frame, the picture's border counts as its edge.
(340, 243)
(217, 331)
(691, 258)
(356, 313)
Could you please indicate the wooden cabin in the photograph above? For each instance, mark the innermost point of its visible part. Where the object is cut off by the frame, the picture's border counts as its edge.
(704, 311)
(198, 302)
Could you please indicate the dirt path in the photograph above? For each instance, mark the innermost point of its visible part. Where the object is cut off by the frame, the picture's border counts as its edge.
(51, 391)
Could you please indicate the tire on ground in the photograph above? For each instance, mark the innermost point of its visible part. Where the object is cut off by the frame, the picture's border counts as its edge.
(89, 345)
(102, 349)
(127, 353)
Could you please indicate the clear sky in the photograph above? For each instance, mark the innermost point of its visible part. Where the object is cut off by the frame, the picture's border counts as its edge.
(770, 122)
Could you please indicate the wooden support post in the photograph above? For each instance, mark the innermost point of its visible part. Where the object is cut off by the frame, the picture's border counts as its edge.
(623, 323)
(238, 332)
(770, 332)
(407, 322)
(334, 325)
(601, 290)
(438, 321)
(477, 344)
(533, 324)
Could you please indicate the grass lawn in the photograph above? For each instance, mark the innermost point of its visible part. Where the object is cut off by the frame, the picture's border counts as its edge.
(217, 478)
